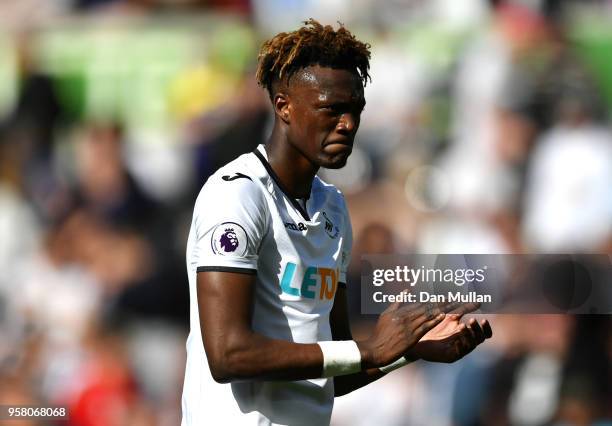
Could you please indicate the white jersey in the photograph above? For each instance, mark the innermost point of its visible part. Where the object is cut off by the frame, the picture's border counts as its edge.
(244, 222)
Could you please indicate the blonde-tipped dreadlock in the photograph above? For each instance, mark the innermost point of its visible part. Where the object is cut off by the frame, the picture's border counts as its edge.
(312, 44)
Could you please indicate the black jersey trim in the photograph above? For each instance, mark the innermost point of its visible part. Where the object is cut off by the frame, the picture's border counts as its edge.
(341, 284)
(247, 271)
(275, 178)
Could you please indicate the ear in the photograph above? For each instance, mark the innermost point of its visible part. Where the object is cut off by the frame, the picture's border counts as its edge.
(282, 107)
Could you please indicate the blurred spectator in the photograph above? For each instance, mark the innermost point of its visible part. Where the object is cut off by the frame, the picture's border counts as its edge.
(586, 387)
(105, 186)
(568, 199)
(374, 238)
(28, 131)
(107, 394)
(37, 108)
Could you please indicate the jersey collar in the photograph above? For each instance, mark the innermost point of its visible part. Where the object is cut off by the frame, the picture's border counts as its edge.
(260, 153)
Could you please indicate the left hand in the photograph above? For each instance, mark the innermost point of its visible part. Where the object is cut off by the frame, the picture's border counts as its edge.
(451, 340)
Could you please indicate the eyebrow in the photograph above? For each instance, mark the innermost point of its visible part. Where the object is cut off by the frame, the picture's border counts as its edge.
(322, 99)
(328, 96)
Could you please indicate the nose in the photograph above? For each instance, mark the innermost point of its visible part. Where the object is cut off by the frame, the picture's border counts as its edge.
(347, 123)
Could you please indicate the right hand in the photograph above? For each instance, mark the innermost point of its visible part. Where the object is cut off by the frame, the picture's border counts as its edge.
(398, 329)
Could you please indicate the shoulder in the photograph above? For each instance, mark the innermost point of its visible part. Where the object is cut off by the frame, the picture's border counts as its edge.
(335, 206)
(332, 194)
(238, 182)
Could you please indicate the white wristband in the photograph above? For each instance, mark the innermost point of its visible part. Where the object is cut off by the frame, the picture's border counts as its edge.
(340, 358)
(394, 365)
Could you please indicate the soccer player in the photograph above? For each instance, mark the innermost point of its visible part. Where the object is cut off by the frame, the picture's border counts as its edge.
(268, 249)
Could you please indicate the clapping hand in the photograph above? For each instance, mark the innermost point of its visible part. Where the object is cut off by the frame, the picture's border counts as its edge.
(451, 339)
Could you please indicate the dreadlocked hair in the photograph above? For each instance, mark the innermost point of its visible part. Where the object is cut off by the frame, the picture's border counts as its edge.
(313, 44)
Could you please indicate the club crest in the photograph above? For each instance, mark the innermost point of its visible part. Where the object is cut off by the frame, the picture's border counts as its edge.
(331, 229)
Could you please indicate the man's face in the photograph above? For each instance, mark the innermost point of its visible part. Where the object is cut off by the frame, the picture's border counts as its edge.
(324, 107)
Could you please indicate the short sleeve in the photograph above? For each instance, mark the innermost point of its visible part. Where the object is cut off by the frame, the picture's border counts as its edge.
(230, 221)
(347, 245)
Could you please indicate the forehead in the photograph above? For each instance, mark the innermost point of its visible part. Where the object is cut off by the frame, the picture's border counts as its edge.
(325, 83)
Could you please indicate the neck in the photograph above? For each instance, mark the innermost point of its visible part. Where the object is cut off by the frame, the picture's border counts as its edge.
(293, 169)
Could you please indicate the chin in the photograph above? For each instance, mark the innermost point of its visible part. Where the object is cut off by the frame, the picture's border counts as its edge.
(336, 162)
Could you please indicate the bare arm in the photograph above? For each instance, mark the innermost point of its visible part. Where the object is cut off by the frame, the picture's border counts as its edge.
(236, 352)
(233, 350)
(341, 330)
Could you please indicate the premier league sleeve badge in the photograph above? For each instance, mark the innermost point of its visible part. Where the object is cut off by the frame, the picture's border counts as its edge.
(229, 239)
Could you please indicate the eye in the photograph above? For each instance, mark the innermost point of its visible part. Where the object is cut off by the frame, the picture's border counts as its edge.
(342, 108)
(334, 109)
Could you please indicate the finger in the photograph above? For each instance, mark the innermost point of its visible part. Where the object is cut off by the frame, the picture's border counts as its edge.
(458, 308)
(448, 307)
(463, 341)
(486, 328)
(468, 337)
(466, 340)
(414, 320)
(465, 308)
(476, 330)
(422, 330)
(423, 320)
(397, 304)
(426, 311)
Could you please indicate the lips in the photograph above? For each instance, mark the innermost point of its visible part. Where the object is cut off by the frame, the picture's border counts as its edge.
(338, 147)
(343, 141)
(339, 142)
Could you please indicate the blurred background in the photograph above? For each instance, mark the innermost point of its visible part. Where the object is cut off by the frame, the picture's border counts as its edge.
(487, 130)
